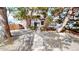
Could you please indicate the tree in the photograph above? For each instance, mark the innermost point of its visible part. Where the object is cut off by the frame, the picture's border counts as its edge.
(21, 14)
(25, 13)
(56, 11)
(4, 20)
(43, 10)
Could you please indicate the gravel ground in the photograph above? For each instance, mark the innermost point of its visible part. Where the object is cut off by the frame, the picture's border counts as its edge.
(51, 41)
(42, 41)
(22, 41)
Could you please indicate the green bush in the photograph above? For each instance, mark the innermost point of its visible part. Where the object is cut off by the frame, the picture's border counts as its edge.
(43, 28)
(32, 27)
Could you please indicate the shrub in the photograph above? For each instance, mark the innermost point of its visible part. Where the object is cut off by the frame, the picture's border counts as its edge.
(32, 27)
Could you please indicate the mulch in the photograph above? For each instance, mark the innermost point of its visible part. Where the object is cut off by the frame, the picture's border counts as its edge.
(74, 32)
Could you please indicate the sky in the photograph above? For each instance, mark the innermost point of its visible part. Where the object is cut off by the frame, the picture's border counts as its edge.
(12, 20)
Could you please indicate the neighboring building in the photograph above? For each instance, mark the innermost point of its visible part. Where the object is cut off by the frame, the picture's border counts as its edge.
(15, 26)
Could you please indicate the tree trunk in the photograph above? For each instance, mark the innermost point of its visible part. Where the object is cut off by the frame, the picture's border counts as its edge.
(65, 20)
(29, 19)
(4, 20)
(64, 23)
(28, 22)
